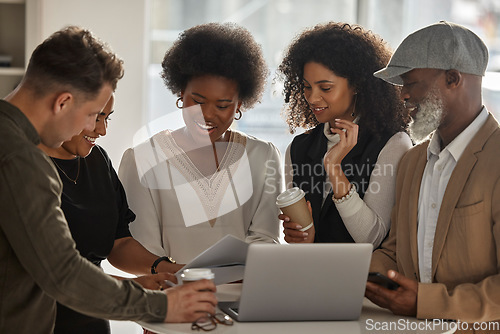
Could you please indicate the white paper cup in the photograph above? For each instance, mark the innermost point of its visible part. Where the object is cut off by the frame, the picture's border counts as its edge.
(196, 274)
(293, 204)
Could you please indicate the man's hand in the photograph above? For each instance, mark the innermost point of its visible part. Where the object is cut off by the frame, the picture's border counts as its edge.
(186, 303)
(402, 301)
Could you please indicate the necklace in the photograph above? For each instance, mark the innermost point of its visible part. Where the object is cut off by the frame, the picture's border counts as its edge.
(77, 173)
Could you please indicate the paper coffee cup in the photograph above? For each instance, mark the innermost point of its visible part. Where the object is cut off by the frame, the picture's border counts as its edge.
(293, 204)
(196, 274)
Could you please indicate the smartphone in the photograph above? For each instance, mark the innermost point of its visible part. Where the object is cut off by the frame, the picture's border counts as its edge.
(382, 280)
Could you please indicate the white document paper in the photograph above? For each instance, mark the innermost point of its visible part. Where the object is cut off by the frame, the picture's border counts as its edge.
(226, 258)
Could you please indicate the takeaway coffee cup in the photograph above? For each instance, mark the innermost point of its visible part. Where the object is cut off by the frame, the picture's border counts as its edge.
(196, 274)
(293, 204)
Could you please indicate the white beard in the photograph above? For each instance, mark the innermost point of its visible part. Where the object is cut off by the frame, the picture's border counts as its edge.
(428, 118)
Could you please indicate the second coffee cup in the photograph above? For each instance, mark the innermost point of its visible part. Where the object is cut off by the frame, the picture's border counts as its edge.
(196, 274)
(293, 204)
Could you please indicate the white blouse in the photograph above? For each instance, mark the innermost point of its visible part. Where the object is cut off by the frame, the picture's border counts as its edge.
(368, 219)
(180, 212)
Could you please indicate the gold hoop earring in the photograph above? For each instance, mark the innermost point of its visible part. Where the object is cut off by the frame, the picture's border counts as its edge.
(177, 103)
(240, 115)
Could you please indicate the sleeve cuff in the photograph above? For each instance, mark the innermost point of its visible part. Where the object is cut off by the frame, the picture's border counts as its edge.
(351, 206)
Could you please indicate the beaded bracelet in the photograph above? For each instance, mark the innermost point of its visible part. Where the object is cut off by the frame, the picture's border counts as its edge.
(346, 197)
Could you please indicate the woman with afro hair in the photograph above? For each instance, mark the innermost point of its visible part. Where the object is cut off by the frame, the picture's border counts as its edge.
(191, 186)
(355, 124)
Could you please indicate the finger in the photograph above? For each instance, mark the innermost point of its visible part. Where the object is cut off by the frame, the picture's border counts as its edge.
(207, 297)
(402, 280)
(310, 207)
(291, 226)
(355, 130)
(163, 276)
(350, 130)
(295, 233)
(204, 285)
(373, 292)
(352, 135)
(203, 308)
(338, 130)
(341, 133)
(296, 236)
(284, 217)
(380, 292)
(294, 240)
(344, 122)
(197, 311)
(170, 284)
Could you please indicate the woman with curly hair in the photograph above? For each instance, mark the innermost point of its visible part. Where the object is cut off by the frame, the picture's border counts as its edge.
(192, 186)
(347, 159)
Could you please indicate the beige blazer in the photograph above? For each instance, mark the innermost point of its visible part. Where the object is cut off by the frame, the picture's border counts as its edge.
(466, 253)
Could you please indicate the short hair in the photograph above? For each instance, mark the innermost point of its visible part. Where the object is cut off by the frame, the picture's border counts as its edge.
(351, 52)
(72, 58)
(221, 49)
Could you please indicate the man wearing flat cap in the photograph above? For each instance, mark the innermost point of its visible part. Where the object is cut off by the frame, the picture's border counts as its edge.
(444, 244)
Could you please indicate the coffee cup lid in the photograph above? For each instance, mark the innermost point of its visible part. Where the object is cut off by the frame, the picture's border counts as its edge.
(195, 274)
(289, 196)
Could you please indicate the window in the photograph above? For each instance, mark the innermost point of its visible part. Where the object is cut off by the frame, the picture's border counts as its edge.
(274, 23)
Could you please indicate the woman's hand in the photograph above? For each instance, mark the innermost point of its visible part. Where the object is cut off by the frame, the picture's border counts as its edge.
(292, 230)
(155, 281)
(348, 132)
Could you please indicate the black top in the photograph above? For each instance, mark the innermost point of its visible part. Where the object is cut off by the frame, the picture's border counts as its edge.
(97, 212)
(307, 152)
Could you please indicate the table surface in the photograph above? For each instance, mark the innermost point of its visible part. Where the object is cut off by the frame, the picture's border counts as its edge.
(373, 319)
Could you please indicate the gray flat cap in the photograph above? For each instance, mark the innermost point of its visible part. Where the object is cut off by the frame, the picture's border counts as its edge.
(442, 45)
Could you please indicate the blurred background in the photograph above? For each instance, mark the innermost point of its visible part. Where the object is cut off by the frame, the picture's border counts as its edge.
(140, 31)
(274, 23)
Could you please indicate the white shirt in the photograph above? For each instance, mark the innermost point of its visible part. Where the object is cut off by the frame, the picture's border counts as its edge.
(437, 173)
(181, 213)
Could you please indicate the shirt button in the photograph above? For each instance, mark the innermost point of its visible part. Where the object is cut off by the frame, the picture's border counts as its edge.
(433, 205)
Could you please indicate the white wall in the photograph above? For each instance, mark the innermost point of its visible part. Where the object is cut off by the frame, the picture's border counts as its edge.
(122, 24)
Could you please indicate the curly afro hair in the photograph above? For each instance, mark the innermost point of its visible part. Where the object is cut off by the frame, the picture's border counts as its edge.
(221, 49)
(352, 53)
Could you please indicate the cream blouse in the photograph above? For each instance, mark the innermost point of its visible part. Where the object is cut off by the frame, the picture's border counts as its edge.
(180, 212)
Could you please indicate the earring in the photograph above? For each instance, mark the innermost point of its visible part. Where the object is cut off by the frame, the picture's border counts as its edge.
(240, 115)
(354, 107)
(177, 103)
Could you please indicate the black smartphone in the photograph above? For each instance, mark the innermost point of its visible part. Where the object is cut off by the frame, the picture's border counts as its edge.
(382, 280)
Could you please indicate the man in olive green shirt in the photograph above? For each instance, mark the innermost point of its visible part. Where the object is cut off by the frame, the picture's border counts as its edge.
(69, 79)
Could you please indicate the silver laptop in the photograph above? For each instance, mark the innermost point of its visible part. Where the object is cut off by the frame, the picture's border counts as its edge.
(300, 282)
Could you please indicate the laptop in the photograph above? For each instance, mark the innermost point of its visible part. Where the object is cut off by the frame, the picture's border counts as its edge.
(301, 282)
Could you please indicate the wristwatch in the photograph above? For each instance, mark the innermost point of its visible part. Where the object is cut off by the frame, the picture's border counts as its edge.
(158, 260)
